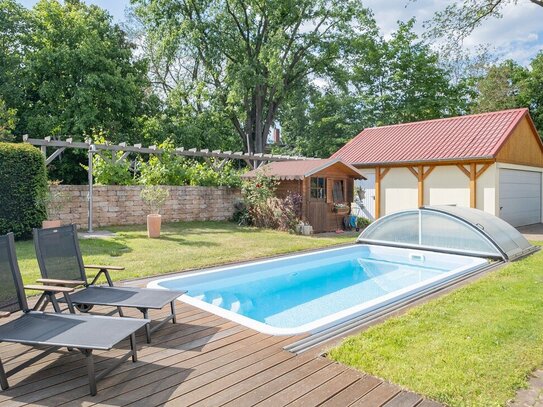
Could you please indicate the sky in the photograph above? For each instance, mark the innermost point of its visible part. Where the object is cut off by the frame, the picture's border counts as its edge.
(518, 35)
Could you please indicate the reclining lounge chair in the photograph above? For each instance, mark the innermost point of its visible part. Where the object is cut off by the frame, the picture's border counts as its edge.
(61, 264)
(54, 331)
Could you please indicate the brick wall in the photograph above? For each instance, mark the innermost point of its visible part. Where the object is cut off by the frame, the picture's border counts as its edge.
(122, 205)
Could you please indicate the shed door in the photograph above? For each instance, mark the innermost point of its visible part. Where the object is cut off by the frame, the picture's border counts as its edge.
(520, 197)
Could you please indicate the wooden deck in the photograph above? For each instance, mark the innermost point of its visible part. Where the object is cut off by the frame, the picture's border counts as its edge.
(203, 360)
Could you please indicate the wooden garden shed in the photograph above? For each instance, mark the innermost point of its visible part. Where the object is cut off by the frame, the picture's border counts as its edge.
(326, 187)
(490, 161)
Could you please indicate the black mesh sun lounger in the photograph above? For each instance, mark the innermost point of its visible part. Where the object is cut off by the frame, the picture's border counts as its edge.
(61, 264)
(85, 333)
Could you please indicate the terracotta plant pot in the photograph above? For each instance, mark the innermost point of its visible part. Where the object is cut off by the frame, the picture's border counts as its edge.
(47, 224)
(153, 225)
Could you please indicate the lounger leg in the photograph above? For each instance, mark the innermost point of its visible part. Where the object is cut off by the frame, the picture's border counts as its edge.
(148, 325)
(54, 302)
(133, 347)
(90, 370)
(120, 311)
(69, 303)
(172, 307)
(3, 377)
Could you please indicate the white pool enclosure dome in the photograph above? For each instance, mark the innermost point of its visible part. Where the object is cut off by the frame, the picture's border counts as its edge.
(450, 229)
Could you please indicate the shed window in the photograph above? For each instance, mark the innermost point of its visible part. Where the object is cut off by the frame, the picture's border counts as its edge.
(337, 192)
(318, 188)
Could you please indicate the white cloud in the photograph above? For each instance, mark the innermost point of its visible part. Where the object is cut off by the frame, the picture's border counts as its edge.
(517, 35)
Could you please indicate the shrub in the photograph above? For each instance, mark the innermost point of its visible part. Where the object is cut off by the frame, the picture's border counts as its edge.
(362, 222)
(23, 180)
(264, 209)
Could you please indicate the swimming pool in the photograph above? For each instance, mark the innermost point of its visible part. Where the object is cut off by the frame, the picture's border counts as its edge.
(311, 291)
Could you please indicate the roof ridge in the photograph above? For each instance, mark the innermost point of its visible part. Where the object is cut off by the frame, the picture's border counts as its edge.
(466, 116)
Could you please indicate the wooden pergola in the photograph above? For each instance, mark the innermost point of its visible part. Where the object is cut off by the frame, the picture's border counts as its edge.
(215, 158)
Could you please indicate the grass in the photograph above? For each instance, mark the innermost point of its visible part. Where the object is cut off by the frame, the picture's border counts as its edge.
(182, 246)
(473, 347)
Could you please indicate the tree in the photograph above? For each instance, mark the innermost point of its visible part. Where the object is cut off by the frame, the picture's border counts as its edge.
(459, 19)
(246, 56)
(14, 29)
(500, 88)
(79, 74)
(401, 80)
(8, 120)
(381, 82)
(531, 91)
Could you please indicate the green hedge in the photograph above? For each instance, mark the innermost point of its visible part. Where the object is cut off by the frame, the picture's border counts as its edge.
(23, 180)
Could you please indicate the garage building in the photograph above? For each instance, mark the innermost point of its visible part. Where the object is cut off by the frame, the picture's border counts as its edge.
(490, 161)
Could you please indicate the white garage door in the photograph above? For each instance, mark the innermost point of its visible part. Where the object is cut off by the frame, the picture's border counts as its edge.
(520, 197)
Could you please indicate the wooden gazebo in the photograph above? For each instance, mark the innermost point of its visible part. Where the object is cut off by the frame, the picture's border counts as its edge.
(326, 187)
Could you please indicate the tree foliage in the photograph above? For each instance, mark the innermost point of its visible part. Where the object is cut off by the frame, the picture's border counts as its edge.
(509, 85)
(80, 74)
(386, 81)
(247, 56)
(458, 20)
(8, 120)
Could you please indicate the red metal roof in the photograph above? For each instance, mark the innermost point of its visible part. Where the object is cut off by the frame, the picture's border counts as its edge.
(459, 138)
(300, 169)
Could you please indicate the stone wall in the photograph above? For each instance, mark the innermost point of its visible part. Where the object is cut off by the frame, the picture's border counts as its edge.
(122, 205)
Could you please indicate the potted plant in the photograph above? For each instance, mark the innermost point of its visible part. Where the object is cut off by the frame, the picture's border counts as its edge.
(340, 208)
(54, 201)
(155, 197)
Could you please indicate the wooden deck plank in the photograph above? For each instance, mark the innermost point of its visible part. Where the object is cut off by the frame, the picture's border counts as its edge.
(354, 392)
(76, 368)
(302, 387)
(327, 390)
(279, 383)
(130, 376)
(170, 387)
(239, 389)
(127, 381)
(404, 399)
(377, 397)
(199, 396)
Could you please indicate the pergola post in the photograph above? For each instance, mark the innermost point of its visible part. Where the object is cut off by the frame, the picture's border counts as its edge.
(92, 150)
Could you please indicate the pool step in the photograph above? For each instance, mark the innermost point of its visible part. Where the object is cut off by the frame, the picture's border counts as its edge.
(238, 303)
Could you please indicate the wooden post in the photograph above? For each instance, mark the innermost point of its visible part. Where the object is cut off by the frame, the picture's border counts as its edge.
(473, 185)
(420, 177)
(377, 192)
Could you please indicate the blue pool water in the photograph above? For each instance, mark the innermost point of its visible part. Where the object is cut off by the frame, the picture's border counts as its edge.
(297, 293)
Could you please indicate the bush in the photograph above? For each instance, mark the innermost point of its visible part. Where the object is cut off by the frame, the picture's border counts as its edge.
(23, 181)
(263, 209)
(362, 222)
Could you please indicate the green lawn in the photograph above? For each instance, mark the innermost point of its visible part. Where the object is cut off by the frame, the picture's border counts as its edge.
(473, 347)
(182, 246)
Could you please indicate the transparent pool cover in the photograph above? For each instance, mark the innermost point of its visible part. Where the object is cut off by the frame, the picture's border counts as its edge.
(451, 229)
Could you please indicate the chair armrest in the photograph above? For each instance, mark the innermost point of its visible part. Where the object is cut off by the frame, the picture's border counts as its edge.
(65, 283)
(4, 314)
(51, 288)
(94, 266)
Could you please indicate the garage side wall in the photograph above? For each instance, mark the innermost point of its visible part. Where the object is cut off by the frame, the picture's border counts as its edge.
(399, 191)
(445, 185)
